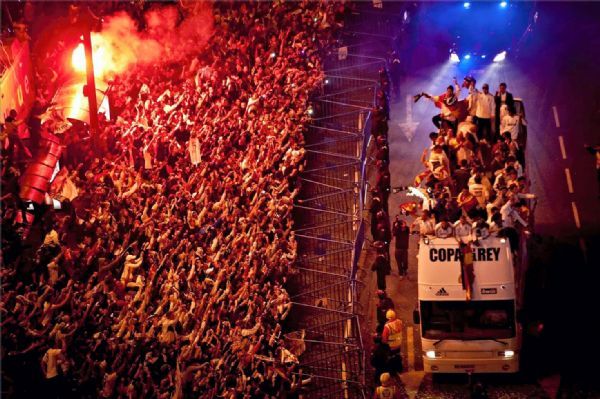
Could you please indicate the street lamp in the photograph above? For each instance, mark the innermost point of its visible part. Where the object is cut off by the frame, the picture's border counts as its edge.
(86, 21)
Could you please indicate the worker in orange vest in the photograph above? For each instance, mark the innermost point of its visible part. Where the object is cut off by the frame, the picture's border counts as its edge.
(392, 336)
(386, 390)
(392, 331)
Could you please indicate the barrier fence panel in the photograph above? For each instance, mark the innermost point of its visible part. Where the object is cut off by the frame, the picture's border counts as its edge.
(333, 357)
(354, 66)
(329, 231)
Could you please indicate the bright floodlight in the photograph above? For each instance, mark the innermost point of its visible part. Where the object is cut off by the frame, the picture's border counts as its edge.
(454, 58)
(503, 4)
(467, 5)
(483, 56)
(468, 57)
(500, 57)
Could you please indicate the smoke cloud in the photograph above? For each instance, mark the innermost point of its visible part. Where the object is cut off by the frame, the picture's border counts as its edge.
(120, 44)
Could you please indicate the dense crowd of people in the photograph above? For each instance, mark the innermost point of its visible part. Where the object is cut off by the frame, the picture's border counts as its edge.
(162, 275)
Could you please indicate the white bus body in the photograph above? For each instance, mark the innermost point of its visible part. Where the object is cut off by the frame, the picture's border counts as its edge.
(459, 336)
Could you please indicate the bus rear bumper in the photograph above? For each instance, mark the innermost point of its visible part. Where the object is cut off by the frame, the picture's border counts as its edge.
(495, 365)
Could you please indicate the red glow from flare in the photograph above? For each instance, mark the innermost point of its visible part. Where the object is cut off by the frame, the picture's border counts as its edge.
(99, 56)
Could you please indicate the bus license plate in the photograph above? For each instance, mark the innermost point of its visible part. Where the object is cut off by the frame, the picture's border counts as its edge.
(464, 366)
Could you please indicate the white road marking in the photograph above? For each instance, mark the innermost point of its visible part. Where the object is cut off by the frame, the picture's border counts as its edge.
(569, 181)
(410, 348)
(556, 116)
(562, 147)
(575, 214)
(409, 127)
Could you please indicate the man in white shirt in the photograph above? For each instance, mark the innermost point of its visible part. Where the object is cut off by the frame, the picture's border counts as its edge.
(467, 127)
(444, 229)
(464, 152)
(508, 213)
(479, 192)
(510, 123)
(503, 100)
(425, 224)
(485, 108)
(437, 158)
(463, 230)
(469, 82)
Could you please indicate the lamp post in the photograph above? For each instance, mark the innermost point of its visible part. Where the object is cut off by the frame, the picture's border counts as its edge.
(87, 22)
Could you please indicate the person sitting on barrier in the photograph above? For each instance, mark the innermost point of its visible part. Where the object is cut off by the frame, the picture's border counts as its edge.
(448, 104)
(444, 229)
(386, 390)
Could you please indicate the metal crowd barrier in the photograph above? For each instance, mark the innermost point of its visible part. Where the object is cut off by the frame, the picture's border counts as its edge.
(329, 230)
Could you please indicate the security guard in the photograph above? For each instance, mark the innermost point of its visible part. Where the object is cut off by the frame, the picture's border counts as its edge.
(386, 390)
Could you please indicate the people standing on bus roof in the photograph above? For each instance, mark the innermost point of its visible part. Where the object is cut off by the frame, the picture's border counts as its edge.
(502, 98)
